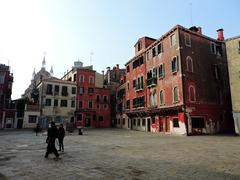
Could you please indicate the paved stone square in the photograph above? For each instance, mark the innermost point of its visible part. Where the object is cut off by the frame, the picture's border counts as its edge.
(120, 154)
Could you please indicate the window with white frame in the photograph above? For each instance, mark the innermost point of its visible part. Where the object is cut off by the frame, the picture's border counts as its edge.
(187, 40)
(161, 70)
(90, 104)
(81, 78)
(175, 64)
(48, 102)
(175, 95)
(153, 52)
(63, 103)
(172, 40)
(162, 99)
(192, 96)
(32, 119)
(91, 79)
(189, 63)
(159, 48)
(147, 55)
(81, 90)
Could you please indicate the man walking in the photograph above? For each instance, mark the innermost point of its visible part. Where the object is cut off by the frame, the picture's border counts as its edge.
(52, 135)
(61, 135)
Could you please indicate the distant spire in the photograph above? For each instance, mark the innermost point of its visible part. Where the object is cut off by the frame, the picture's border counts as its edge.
(44, 61)
(33, 74)
(51, 71)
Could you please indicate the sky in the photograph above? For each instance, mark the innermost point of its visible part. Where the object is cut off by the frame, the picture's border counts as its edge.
(97, 32)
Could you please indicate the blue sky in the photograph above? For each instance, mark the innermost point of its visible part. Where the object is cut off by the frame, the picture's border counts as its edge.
(70, 29)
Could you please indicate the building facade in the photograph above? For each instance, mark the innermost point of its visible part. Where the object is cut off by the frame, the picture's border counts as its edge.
(57, 102)
(233, 56)
(93, 101)
(7, 108)
(179, 84)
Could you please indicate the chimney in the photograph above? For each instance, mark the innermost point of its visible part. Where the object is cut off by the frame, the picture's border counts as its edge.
(199, 30)
(117, 65)
(220, 35)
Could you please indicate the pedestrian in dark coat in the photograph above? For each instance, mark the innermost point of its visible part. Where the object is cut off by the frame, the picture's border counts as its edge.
(61, 135)
(37, 129)
(52, 135)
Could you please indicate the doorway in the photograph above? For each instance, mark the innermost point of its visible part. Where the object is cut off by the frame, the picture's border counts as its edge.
(148, 125)
(87, 122)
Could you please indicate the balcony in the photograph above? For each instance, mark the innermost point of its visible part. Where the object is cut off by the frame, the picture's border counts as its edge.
(152, 82)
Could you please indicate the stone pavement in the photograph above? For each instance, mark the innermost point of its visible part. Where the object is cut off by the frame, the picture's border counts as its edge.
(120, 154)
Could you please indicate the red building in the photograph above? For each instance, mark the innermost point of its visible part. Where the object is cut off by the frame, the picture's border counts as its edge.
(7, 108)
(93, 101)
(185, 86)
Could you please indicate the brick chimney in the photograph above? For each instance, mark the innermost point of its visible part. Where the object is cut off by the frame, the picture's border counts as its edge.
(220, 35)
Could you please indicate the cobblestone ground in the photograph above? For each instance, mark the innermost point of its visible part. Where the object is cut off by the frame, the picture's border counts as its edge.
(120, 154)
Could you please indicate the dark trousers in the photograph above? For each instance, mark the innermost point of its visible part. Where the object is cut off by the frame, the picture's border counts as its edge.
(51, 148)
(61, 147)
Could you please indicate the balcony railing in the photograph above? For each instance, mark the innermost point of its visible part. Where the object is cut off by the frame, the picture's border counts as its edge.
(152, 82)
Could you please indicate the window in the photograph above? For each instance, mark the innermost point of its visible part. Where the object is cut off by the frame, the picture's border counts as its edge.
(73, 103)
(219, 50)
(55, 102)
(128, 69)
(74, 77)
(56, 90)
(127, 85)
(143, 122)
(161, 71)
(160, 48)
(105, 106)
(94, 117)
(172, 40)
(80, 104)
(81, 90)
(98, 106)
(187, 40)
(100, 118)
(64, 91)
(48, 102)
(141, 84)
(79, 117)
(137, 62)
(105, 98)
(90, 104)
(90, 90)
(175, 64)
(161, 97)
(153, 52)
(192, 96)
(49, 89)
(128, 104)
(73, 90)
(175, 95)
(213, 48)
(91, 79)
(139, 46)
(239, 47)
(189, 63)
(81, 79)
(175, 123)
(98, 98)
(217, 72)
(147, 56)
(134, 83)
(63, 103)
(134, 122)
(32, 119)
(123, 121)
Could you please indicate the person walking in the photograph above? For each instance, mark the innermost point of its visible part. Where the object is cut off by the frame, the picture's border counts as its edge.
(61, 135)
(52, 135)
(37, 129)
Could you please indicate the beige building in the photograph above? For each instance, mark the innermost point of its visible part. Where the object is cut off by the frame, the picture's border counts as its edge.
(233, 55)
(57, 100)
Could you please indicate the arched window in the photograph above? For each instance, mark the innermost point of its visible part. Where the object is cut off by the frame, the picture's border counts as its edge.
(192, 96)
(175, 95)
(189, 63)
(162, 97)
